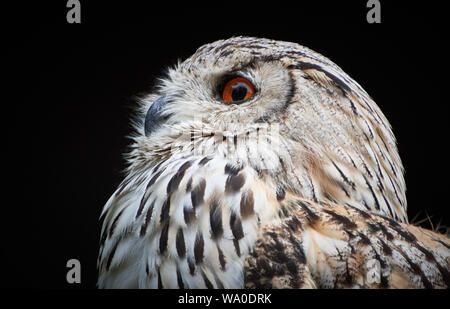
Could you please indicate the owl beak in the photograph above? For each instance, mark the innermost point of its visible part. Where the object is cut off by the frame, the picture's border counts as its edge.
(155, 116)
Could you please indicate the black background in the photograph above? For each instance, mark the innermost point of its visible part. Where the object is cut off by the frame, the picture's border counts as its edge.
(70, 89)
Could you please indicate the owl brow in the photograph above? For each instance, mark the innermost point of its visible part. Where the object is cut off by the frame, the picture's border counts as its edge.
(236, 73)
(251, 63)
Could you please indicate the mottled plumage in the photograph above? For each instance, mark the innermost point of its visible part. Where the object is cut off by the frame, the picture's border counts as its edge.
(300, 185)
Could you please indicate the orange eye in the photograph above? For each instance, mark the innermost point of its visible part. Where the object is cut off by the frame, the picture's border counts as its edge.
(237, 89)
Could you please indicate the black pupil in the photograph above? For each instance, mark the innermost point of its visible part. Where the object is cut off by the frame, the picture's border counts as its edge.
(239, 92)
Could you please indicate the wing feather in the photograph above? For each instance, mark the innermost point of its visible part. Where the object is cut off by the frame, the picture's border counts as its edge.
(339, 246)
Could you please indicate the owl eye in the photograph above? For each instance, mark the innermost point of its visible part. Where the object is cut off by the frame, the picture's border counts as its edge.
(237, 89)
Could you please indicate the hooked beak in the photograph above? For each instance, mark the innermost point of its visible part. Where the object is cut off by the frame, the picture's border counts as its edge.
(155, 118)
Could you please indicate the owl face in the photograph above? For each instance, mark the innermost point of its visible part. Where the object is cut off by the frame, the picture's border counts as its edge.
(227, 97)
(289, 113)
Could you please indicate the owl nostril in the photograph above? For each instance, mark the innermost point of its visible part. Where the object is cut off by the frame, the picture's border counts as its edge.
(155, 116)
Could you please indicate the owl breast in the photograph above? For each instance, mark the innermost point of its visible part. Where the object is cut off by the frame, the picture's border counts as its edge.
(192, 222)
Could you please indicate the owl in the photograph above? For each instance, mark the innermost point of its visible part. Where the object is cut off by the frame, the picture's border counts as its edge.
(257, 163)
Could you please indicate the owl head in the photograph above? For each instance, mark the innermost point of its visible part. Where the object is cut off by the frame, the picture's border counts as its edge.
(287, 112)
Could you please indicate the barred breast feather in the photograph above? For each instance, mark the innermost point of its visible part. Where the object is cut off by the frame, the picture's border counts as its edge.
(200, 222)
(187, 223)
